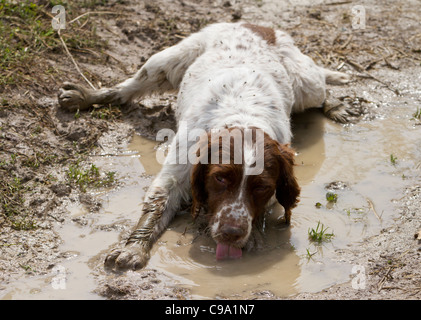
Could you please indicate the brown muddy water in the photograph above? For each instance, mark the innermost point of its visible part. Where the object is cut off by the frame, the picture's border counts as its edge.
(356, 157)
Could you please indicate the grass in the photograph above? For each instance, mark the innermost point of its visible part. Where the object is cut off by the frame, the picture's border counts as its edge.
(331, 197)
(393, 159)
(27, 35)
(319, 234)
(106, 113)
(310, 254)
(23, 34)
(12, 204)
(89, 177)
(31, 58)
(417, 114)
(39, 159)
(355, 210)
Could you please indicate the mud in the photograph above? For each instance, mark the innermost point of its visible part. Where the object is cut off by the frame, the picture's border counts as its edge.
(374, 219)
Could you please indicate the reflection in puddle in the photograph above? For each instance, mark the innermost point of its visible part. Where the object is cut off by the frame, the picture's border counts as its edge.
(191, 260)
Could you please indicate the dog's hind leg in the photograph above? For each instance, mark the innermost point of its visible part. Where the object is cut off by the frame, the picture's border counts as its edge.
(337, 109)
(162, 72)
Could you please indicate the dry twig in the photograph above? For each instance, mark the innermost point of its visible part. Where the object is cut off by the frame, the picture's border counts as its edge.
(383, 280)
(91, 12)
(73, 60)
(374, 210)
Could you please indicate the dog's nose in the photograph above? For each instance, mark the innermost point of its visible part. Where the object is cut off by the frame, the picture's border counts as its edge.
(232, 233)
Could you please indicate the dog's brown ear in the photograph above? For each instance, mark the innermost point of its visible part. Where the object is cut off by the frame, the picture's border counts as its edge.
(198, 176)
(198, 189)
(287, 189)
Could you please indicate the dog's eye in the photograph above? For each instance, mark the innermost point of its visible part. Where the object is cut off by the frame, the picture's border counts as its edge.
(261, 188)
(220, 179)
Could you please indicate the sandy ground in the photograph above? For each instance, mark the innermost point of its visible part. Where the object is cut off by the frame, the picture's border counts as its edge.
(39, 141)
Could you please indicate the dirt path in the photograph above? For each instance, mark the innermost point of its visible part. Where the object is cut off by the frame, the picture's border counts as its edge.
(45, 163)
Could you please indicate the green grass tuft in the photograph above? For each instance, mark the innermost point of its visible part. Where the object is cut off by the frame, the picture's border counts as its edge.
(89, 177)
(393, 159)
(331, 197)
(319, 234)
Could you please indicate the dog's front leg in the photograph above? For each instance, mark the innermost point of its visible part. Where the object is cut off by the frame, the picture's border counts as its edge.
(159, 207)
(157, 211)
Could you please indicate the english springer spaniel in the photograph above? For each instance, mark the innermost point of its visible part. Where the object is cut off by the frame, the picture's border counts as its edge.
(237, 84)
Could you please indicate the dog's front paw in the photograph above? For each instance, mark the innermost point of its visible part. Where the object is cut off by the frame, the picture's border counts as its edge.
(73, 97)
(131, 257)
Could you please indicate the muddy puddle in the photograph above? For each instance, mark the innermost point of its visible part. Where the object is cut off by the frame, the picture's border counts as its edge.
(354, 162)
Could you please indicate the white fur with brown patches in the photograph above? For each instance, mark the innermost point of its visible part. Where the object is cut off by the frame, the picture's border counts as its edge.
(227, 75)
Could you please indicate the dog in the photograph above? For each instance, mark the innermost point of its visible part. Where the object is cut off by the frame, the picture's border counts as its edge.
(237, 84)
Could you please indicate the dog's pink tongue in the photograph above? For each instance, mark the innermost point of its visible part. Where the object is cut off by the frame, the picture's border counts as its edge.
(224, 251)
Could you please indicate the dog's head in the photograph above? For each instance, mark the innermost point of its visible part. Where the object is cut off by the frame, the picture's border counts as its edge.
(236, 192)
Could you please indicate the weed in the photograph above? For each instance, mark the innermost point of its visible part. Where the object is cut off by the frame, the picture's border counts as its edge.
(27, 268)
(417, 114)
(355, 210)
(38, 159)
(90, 177)
(110, 177)
(12, 204)
(31, 162)
(319, 234)
(110, 113)
(12, 158)
(37, 130)
(82, 177)
(331, 197)
(309, 254)
(393, 159)
(24, 223)
(27, 34)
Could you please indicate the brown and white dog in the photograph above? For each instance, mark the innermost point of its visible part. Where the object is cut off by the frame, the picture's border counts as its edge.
(237, 85)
